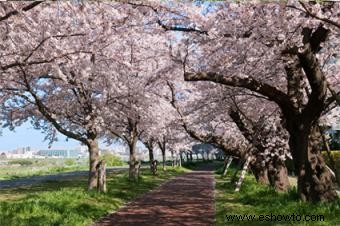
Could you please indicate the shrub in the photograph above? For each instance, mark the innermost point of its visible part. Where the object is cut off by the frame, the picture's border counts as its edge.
(112, 160)
(69, 162)
(336, 157)
(23, 162)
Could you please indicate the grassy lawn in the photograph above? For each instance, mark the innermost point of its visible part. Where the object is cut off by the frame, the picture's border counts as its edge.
(19, 168)
(255, 199)
(68, 202)
(10, 173)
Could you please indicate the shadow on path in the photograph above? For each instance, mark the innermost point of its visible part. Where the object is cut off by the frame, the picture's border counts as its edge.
(187, 199)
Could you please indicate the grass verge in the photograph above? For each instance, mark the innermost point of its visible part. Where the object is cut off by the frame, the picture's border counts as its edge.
(27, 171)
(254, 199)
(69, 203)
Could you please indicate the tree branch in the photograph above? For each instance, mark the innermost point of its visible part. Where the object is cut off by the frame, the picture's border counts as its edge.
(249, 83)
(314, 74)
(45, 112)
(309, 13)
(25, 8)
(217, 141)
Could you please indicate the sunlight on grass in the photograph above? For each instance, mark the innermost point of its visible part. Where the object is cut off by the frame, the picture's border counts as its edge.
(69, 203)
(21, 168)
(257, 199)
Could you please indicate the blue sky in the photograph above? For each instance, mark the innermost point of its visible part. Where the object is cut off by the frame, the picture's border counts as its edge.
(25, 135)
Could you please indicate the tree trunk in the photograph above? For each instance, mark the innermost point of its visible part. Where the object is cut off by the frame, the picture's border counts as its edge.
(238, 167)
(278, 175)
(243, 174)
(162, 146)
(102, 176)
(172, 158)
(260, 170)
(134, 165)
(227, 163)
(93, 161)
(314, 179)
(163, 159)
(151, 159)
(154, 167)
(180, 160)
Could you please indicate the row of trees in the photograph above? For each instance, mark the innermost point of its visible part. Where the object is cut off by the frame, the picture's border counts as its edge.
(108, 70)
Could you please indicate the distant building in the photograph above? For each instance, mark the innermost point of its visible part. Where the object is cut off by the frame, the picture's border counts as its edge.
(60, 153)
(20, 153)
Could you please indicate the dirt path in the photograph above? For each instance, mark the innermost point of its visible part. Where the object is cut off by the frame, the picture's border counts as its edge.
(187, 199)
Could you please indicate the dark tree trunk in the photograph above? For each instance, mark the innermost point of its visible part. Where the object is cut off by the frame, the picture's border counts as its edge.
(238, 167)
(93, 161)
(151, 158)
(180, 159)
(163, 160)
(162, 146)
(314, 179)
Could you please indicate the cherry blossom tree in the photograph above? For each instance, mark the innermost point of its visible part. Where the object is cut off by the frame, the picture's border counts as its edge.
(58, 65)
(138, 108)
(290, 59)
(98, 69)
(269, 146)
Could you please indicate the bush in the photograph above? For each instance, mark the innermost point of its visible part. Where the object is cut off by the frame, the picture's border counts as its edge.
(23, 162)
(69, 162)
(112, 160)
(336, 157)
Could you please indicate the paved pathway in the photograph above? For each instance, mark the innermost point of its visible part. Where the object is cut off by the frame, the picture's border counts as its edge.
(52, 177)
(187, 199)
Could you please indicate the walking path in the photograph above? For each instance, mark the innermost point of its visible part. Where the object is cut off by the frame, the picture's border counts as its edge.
(187, 199)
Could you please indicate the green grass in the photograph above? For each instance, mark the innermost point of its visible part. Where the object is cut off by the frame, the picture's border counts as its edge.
(257, 199)
(10, 172)
(69, 203)
(21, 168)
